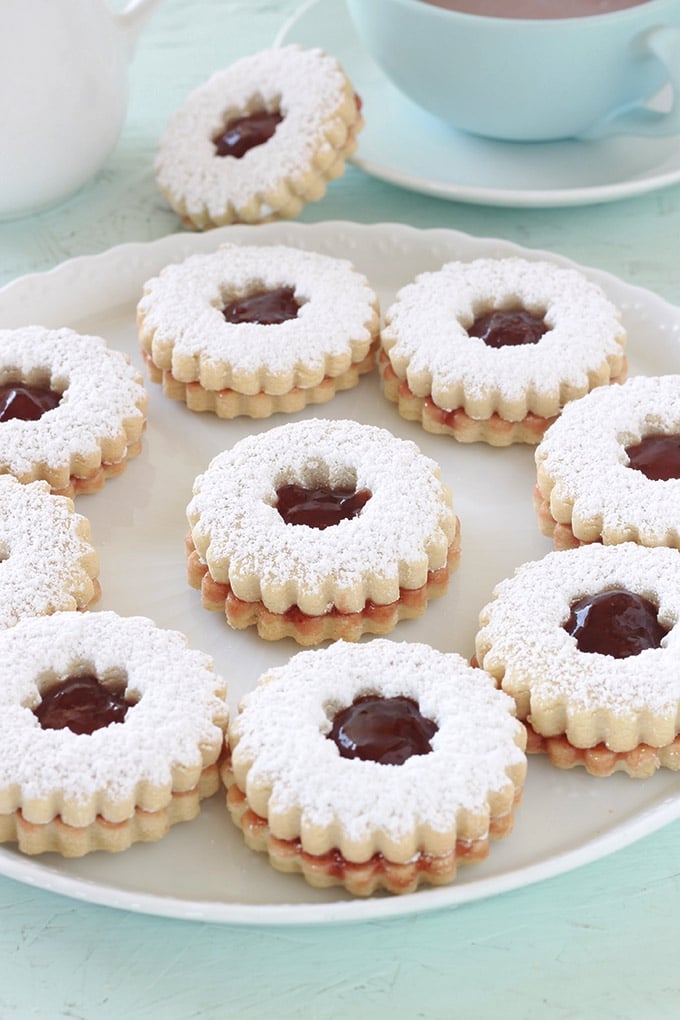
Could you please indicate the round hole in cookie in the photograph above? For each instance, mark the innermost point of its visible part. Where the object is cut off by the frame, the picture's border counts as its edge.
(264, 306)
(319, 505)
(28, 397)
(246, 131)
(513, 326)
(386, 730)
(82, 701)
(656, 456)
(615, 622)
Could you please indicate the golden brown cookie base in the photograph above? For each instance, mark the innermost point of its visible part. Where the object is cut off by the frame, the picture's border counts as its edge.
(495, 431)
(562, 535)
(639, 763)
(229, 403)
(95, 597)
(311, 630)
(366, 877)
(143, 826)
(92, 482)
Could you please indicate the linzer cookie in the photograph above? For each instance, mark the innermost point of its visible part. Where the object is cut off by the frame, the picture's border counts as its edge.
(259, 139)
(255, 330)
(72, 410)
(376, 765)
(48, 560)
(492, 350)
(111, 729)
(609, 469)
(321, 530)
(587, 642)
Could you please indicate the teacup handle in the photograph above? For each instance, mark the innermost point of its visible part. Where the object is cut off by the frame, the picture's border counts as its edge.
(132, 19)
(638, 119)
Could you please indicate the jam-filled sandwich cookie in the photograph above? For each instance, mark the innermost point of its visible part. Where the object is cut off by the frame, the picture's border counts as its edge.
(111, 729)
(48, 562)
(379, 765)
(321, 530)
(255, 330)
(72, 410)
(587, 642)
(491, 350)
(259, 139)
(609, 469)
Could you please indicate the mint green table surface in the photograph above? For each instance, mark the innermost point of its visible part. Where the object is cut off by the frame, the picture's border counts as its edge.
(601, 941)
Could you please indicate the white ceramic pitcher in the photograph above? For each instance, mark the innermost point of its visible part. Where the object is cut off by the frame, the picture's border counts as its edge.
(63, 94)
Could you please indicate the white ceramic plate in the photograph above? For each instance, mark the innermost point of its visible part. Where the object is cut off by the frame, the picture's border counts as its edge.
(406, 146)
(202, 869)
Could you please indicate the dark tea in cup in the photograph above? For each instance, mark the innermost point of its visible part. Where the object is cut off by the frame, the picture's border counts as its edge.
(535, 9)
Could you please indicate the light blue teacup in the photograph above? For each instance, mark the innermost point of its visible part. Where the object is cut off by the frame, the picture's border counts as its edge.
(524, 79)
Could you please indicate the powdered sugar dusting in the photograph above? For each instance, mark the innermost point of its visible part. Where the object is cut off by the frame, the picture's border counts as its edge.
(280, 745)
(47, 562)
(307, 86)
(427, 341)
(102, 397)
(522, 638)
(404, 529)
(186, 332)
(180, 708)
(583, 465)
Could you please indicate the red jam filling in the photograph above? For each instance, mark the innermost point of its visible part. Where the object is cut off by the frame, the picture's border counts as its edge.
(508, 327)
(320, 507)
(617, 623)
(81, 704)
(19, 400)
(657, 457)
(386, 730)
(241, 134)
(265, 307)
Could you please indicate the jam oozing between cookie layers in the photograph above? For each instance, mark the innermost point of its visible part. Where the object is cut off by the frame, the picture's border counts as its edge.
(617, 623)
(264, 307)
(321, 506)
(385, 730)
(28, 403)
(81, 704)
(508, 327)
(657, 457)
(240, 134)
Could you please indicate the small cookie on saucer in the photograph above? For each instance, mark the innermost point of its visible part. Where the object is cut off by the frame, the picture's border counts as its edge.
(254, 330)
(491, 350)
(259, 139)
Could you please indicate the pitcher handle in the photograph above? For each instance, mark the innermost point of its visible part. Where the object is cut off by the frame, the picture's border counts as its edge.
(132, 19)
(638, 119)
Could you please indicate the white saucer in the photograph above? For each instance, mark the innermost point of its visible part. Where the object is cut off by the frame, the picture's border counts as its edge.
(406, 146)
